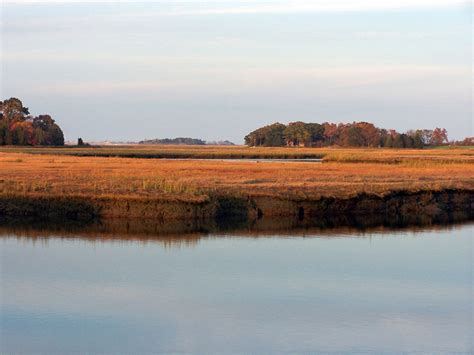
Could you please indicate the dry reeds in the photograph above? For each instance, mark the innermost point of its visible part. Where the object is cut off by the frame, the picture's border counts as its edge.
(347, 172)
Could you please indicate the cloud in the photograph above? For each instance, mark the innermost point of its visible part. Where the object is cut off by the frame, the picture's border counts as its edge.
(269, 6)
(347, 81)
(320, 6)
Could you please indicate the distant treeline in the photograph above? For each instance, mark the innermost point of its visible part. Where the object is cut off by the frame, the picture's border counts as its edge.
(184, 141)
(466, 142)
(18, 127)
(179, 140)
(356, 134)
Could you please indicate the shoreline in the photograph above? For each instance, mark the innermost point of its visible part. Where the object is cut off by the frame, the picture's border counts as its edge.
(392, 206)
(65, 188)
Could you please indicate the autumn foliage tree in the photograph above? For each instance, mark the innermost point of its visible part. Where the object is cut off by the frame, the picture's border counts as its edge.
(439, 136)
(356, 134)
(18, 127)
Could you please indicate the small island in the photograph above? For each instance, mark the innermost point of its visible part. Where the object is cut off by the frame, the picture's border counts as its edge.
(356, 134)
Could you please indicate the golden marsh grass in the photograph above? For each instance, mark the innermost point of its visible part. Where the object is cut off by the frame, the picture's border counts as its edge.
(346, 172)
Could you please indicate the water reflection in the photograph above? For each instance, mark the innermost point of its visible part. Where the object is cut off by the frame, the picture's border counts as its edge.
(188, 233)
(43, 236)
(310, 290)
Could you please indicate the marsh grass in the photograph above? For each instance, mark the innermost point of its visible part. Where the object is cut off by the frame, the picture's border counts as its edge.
(345, 173)
(354, 155)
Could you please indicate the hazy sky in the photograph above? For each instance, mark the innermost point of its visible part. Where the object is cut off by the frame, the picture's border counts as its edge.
(217, 70)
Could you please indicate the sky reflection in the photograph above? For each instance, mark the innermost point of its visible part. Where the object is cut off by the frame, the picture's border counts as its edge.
(388, 293)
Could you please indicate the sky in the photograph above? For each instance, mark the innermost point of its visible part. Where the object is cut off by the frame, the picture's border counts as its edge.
(127, 70)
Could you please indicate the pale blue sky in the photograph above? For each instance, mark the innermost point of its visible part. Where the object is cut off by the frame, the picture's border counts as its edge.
(217, 70)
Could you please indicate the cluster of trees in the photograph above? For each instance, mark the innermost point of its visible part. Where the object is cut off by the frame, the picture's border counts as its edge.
(18, 127)
(225, 142)
(184, 141)
(466, 142)
(179, 141)
(356, 134)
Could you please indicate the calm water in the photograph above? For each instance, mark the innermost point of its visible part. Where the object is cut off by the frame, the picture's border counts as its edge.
(378, 292)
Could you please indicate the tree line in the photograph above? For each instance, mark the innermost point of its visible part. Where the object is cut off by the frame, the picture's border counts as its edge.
(18, 127)
(184, 141)
(177, 141)
(356, 134)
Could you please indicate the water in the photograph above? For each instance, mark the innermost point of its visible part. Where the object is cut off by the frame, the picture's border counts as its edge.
(380, 292)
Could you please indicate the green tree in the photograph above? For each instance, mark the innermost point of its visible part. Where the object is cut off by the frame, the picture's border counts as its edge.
(56, 135)
(52, 133)
(398, 141)
(274, 135)
(18, 136)
(417, 138)
(295, 134)
(13, 110)
(4, 132)
(355, 137)
(313, 134)
(269, 136)
(407, 141)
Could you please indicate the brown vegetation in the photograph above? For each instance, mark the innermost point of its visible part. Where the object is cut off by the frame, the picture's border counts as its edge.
(346, 173)
(352, 185)
(447, 155)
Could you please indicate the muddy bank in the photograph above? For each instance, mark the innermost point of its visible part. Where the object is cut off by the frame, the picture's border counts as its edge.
(401, 207)
(395, 205)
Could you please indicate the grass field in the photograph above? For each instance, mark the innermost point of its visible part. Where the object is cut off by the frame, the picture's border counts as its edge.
(235, 152)
(345, 173)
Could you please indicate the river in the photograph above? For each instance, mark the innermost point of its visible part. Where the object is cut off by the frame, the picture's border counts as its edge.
(376, 291)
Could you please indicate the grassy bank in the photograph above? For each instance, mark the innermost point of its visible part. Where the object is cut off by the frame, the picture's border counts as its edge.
(241, 152)
(118, 186)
